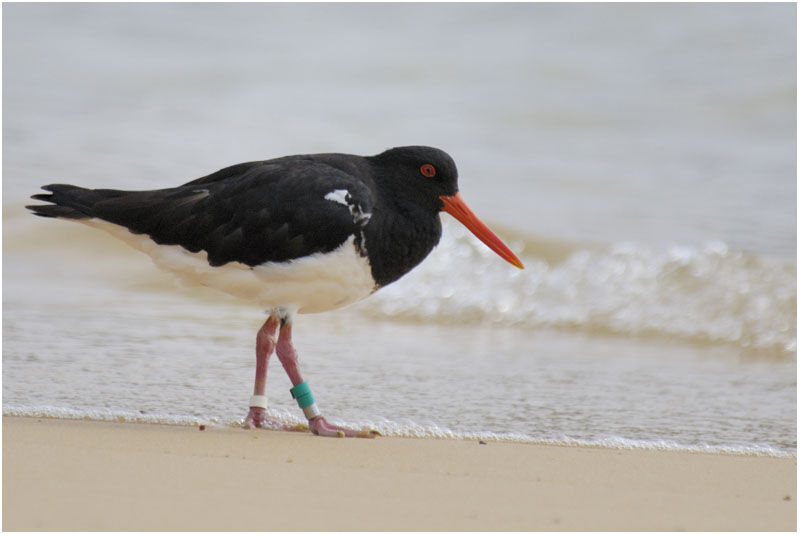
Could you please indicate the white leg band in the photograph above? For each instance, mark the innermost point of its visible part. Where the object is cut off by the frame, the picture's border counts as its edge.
(259, 401)
(311, 411)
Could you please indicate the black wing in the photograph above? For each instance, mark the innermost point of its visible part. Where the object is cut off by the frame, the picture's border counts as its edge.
(251, 213)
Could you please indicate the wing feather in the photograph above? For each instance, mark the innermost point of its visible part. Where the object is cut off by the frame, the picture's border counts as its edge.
(249, 213)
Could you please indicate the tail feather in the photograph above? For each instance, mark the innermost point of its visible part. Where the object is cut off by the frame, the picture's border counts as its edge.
(67, 201)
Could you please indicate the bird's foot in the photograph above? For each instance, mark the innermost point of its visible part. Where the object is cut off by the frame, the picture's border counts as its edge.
(257, 418)
(319, 426)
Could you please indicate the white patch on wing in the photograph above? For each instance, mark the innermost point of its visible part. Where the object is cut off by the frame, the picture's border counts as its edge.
(339, 196)
(342, 196)
(311, 284)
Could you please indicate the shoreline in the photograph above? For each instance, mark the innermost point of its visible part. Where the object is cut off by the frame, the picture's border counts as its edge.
(616, 443)
(92, 475)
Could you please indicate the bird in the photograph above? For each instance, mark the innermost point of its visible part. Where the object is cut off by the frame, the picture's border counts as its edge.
(295, 234)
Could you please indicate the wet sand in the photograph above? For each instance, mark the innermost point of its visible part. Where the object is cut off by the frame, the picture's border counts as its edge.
(88, 475)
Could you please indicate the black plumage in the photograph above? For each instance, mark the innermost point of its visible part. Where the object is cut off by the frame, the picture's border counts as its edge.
(276, 210)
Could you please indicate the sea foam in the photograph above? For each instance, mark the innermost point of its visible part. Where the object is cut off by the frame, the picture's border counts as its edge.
(707, 294)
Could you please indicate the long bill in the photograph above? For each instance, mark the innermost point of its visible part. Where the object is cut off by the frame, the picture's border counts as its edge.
(455, 206)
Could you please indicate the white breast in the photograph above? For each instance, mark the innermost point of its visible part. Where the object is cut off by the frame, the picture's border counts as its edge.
(315, 283)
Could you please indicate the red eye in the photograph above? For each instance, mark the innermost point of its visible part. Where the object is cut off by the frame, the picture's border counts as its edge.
(428, 170)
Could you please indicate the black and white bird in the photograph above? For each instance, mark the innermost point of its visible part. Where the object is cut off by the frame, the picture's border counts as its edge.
(297, 234)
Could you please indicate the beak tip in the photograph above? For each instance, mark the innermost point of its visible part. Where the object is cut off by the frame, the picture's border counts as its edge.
(455, 206)
(516, 262)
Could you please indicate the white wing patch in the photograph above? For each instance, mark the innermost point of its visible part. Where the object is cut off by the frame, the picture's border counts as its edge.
(343, 197)
(339, 196)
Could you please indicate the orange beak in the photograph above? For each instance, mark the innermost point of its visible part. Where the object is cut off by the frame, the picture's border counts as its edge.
(455, 206)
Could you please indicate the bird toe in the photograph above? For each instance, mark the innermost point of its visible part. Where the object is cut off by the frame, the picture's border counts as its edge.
(321, 427)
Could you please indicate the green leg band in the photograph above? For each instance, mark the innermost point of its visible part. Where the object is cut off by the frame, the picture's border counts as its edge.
(302, 393)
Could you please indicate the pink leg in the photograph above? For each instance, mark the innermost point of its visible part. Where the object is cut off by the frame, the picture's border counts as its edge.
(265, 344)
(288, 357)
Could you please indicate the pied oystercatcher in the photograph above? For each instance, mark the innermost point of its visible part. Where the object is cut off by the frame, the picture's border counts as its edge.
(297, 234)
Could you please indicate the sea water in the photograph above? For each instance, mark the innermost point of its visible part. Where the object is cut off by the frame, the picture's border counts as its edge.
(640, 159)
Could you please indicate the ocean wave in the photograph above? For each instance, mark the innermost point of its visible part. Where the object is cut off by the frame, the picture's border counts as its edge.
(708, 294)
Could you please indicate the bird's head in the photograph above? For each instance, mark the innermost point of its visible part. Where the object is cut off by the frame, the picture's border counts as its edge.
(429, 177)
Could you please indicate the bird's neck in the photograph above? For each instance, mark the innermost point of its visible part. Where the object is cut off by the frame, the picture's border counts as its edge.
(398, 242)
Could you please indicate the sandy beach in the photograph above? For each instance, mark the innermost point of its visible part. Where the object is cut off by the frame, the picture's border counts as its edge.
(88, 475)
